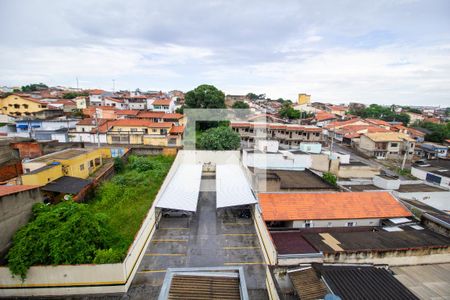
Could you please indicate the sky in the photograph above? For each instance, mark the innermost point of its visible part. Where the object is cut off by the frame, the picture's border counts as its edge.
(385, 52)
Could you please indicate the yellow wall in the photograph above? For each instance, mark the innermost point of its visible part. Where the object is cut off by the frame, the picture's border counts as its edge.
(43, 177)
(7, 106)
(155, 141)
(72, 167)
(304, 99)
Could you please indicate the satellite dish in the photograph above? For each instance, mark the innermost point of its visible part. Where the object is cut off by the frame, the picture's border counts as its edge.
(67, 197)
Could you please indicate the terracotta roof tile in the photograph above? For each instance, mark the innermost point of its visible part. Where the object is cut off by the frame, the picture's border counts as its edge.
(162, 102)
(12, 189)
(330, 206)
(176, 129)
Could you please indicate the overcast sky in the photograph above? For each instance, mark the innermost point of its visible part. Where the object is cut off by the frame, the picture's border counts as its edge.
(338, 51)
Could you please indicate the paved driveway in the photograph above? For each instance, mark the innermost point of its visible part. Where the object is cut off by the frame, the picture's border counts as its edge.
(209, 238)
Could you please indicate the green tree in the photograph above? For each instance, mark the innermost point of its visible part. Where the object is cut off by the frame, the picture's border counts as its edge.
(65, 233)
(438, 132)
(330, 178)
(288, 112)
(205, 96)
(219, 138)
(72, 95)
(252, 96)
(180, 110)
(34, 87)
(240, 104)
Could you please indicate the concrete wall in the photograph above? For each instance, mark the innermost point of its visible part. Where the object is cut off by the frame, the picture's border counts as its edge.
(421, 174)
(337, 223)
(392, 258)
(320, 162)
(350, 171)
(15, 210)
(265, 240)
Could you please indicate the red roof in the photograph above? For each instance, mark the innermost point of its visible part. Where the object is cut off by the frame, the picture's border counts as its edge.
(128, 112)
(287, 127)
(90, 122)
(330, 206)
(343, 123)
(12, 189)
(322, 116)
(162, 102)
(133, 123)
(378, 122)
(96, 92)
(172, 116)
(176, 129)
(151, 114)
(114, 99)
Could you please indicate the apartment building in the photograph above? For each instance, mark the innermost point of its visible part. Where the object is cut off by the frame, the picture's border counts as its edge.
(288, 135)
(387, 145)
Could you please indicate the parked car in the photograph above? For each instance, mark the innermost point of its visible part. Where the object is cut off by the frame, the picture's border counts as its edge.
(176, 213)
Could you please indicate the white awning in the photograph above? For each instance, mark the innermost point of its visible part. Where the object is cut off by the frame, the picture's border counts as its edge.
(232, 187)
(183, 189)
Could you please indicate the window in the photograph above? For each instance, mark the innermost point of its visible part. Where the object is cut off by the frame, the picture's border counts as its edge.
(133, 129)
(81, 167)
(351, 224)
(27, 170)
(91, 164)
(25, 105)
(82, 129)
(394, 144)
(308, 224)
(153, 130)
(16, 105)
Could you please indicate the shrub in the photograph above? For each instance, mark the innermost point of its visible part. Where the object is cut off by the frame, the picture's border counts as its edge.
(118, 165)
(219, 138)
(65, 233)
(330, 178)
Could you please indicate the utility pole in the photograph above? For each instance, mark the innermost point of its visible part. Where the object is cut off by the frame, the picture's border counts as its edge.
(78, 86)
(114, 85)
(98, 135)
(404, 156)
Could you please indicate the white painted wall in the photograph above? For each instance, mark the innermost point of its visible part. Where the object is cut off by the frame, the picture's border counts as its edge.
(337, 223)
(385, 183)
(283, 160)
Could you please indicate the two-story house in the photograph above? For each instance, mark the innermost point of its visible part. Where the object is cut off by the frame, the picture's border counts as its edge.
(163, 105)
(390, 145)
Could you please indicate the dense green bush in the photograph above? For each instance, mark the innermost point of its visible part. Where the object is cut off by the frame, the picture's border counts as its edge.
(65, 233)
(219, 138)
(330, 178)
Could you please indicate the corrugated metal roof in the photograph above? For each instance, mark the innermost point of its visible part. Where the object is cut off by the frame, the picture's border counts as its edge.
(182, 192)
(232, 188)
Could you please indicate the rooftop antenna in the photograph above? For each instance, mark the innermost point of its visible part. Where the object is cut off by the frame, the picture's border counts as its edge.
(77, 84)
(114, 85)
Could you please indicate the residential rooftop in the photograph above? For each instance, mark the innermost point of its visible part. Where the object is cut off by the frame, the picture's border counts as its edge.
(6, 190)
(64, 154)
(330, 206)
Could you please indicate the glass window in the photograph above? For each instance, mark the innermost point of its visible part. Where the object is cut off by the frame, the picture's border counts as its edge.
(81, 167)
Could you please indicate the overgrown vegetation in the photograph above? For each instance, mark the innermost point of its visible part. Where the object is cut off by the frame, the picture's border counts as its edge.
(99, 231)
(330, 178)
(33, 87)
(219, 138)
(240, 104)
(438, 132)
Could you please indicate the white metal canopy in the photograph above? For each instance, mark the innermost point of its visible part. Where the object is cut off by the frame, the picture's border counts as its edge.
(232, 187)
(183, 189)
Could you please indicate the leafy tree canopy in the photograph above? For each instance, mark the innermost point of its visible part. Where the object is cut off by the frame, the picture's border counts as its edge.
(381, 112)
(72, 95)
(288, 112)
(438, 132)
(205, 96)
(330, 178)
(240, 104)
(34, 87)
(65, 233)
(219, 138)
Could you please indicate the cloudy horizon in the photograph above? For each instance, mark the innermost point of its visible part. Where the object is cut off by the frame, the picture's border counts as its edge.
(385, 52)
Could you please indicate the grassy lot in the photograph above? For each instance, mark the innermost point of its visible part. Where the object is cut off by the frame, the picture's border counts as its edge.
(99, 231)
(127, 197)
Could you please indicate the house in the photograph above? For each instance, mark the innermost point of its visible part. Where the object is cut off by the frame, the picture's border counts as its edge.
(413, 117)
(85, 131)
(155, 116)
(418, 135)
(102, 112)
(65, 104)
(81, 102)
(322, 119)
(338, 110)
(433, 151)
(74, 162)
(16, 202)
(22, 106)
(44, 130)
(115, 102)
(137, 102)
(322, 210)
(95, 97)
(163, 105)
(379, 123)
(390, 145)
(288, 135)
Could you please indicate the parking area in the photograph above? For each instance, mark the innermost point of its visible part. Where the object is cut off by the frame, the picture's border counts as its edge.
(208, 238)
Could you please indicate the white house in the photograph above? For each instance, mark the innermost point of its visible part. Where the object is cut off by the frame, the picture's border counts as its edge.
(164, 105)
